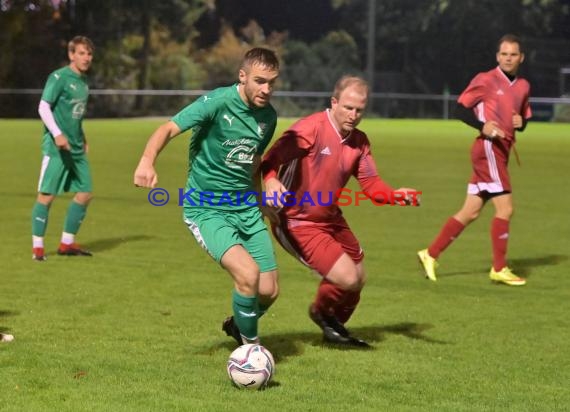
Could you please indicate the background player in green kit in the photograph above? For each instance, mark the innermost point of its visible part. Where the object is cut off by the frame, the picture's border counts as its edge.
(64, 165)
(231, 128)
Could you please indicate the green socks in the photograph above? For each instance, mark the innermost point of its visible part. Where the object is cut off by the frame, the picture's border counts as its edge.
(261, 309)
(245, 314)
(74, 217)
(39, 219)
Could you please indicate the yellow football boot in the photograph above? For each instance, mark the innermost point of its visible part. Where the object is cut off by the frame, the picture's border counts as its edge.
(507, 277)
(428, 263)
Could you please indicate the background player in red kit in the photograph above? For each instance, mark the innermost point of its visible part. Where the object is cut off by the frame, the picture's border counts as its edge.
(315, 158)
(495, 103)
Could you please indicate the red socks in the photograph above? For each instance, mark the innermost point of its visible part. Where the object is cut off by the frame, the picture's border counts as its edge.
(328, 297)
(499, 240)
(450, 231)
(332, 300)
(344, 311)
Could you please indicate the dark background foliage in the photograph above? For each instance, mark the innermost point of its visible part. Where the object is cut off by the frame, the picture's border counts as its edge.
(419, 46)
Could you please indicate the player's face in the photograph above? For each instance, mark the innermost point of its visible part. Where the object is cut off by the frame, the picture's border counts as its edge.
(348, 109)
(509, 57)
(81, 58)
(257, 84)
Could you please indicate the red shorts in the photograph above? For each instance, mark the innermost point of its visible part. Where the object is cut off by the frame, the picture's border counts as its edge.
(318, 245)
(490, 168)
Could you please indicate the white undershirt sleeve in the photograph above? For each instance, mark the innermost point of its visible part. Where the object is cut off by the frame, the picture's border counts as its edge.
(46, 115)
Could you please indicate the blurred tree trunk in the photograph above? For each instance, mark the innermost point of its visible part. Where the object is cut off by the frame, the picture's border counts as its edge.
(142, 80)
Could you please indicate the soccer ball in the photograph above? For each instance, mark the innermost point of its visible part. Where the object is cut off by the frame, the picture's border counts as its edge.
(251, 366)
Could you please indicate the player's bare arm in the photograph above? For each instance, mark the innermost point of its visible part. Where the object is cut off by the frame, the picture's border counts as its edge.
(145, 174)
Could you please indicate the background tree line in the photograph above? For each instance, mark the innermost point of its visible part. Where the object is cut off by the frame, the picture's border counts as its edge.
(420, 46)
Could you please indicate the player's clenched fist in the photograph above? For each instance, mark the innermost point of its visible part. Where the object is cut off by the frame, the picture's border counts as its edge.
(145, 175)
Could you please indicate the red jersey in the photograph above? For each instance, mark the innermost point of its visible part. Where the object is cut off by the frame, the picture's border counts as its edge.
(314, 162)
(493, 96)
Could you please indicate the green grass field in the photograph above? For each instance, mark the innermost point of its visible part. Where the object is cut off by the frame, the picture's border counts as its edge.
(137, 327)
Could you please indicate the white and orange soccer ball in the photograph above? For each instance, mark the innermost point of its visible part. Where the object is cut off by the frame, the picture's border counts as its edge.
(251, 366)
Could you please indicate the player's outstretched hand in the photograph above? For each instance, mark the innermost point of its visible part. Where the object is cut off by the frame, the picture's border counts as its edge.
(411, 197)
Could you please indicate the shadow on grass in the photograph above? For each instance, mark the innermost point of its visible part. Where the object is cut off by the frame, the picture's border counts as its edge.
(67, 197)
(112, 243)
(5, 314)
(462, 273)
(522, 267)
(292, 344)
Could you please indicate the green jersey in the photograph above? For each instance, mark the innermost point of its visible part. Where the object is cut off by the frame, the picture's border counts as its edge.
(67, 92)
(226, 135)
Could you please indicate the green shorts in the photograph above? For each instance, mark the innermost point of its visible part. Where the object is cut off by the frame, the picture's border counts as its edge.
(64, 172)
(217, 230)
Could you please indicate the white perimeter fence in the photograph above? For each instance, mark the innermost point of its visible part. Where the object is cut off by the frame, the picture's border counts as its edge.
(129, 103)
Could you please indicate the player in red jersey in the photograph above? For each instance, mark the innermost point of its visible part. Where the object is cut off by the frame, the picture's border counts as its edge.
(497, 104)
(313, 160)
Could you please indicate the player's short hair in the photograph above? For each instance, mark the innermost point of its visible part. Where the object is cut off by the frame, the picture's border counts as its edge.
(73, 43)
(346, 81)
(510, 38)
(262, 57)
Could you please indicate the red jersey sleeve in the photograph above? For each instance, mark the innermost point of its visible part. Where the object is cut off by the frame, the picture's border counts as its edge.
(526, 111)
(369, 179)
(294, 143)
(474, 93)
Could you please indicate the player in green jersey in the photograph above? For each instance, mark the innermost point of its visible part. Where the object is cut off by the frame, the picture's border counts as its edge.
(231, 127)
(65, 167)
